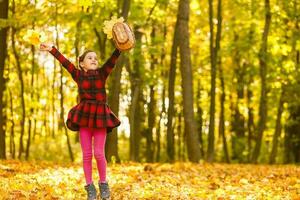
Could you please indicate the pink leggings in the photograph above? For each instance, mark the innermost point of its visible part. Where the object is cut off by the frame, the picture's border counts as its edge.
(86, 135)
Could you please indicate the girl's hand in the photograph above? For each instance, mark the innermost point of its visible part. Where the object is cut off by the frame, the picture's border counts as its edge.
(45, 47)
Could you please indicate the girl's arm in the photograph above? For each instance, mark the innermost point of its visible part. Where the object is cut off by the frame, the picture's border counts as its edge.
(108, 66)
(62, 59)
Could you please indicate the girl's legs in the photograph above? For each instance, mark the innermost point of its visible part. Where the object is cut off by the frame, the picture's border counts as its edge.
(87, 154)
(99, 152)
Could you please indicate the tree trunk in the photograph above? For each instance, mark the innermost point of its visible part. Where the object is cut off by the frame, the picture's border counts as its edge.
(181, 139)
(135, 116)
(20, 76)
(194, 154)
(158, 129)
(76, 44)
(62, 124)
(200, 120)
(277, 129)
(30, 118)
(292, 128)
(163, 107)
(3, 54)
(211, 132)
(238, 119)
(214, 49)
(223, 95)
(151, 106)
(263, 55)
(250, 121)
(12, 144)
(111, 149)
(222, 116)
(53, 103)
(172, 76)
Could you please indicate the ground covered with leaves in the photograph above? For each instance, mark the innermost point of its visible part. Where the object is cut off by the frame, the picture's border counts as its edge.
(48, 180)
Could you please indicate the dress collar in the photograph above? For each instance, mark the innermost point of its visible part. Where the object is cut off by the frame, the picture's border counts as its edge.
(91, 71)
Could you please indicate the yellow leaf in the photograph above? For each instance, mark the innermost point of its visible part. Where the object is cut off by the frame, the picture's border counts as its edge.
(243, 181)
(108, 25)
(34, 37)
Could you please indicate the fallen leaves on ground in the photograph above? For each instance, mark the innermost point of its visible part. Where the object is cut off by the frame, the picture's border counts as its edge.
(48, 180)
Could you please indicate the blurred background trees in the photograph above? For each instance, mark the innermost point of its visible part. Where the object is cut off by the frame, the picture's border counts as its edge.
(207, 80)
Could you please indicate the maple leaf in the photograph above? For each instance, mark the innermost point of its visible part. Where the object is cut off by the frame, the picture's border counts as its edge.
(108, 25)
(34, 37)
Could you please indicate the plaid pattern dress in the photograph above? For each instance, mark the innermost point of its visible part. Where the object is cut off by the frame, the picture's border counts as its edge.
(92, 111)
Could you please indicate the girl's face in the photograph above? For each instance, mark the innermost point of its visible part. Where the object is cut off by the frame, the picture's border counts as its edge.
(90, 61)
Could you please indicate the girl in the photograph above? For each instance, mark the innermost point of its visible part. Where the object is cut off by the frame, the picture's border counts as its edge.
(92, 117)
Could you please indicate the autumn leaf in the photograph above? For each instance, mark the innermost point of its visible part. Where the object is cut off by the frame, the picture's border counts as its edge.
(108, 25)
(46, 180)
(34, 37)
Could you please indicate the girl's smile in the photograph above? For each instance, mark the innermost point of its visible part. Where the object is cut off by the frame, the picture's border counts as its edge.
(90, 61)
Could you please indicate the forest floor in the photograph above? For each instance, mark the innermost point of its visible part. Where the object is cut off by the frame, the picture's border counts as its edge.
(48, 180)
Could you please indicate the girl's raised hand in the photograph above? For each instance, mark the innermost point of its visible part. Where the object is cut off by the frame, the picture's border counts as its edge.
(45, 47)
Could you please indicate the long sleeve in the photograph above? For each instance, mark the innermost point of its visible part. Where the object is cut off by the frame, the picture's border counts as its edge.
(108, 66)
(65, 63)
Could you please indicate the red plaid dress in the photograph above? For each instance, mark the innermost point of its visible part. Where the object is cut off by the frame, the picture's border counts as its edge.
(92, 111)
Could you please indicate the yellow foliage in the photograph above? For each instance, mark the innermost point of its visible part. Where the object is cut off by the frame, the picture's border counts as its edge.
(108, 25)
(46, 180)
(34, 37)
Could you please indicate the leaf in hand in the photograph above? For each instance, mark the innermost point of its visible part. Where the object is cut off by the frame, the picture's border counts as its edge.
(108, 25)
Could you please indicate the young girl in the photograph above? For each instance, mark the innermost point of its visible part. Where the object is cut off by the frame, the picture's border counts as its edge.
(92, 117)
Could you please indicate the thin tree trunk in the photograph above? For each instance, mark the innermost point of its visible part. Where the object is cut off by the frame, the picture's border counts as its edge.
(101, 43)
(158, 129)
(35, 122)
(263, 75)
(211, 132)
(12, 129)
(30, 118)
(250, 121)
(200, 119)
(134, 132)
(76, 44)
(151, 122)
(151, 107)
(53, 103)
(180, 142)
(193, 148)
(171, 113)
(135, 107)
(163, 108)
(278, 128)
(20, 76)
(214, 49)
(238, 119)
(157, 155)
(223, 95)
(62, 124)
(3, 54)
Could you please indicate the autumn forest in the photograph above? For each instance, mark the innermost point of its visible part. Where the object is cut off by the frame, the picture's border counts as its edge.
(214, 81)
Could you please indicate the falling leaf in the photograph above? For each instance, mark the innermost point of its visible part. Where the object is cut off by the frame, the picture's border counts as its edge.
(34, 37)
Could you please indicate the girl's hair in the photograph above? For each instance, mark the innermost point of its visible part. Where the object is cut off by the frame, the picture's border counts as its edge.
(82, 56)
